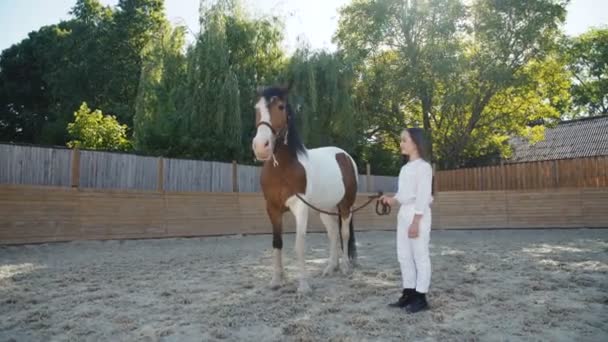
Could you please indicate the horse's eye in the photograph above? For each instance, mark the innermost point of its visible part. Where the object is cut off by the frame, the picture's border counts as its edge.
(281, 107)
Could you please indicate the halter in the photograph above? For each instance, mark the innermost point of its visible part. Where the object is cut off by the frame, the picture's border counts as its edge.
(282, 133)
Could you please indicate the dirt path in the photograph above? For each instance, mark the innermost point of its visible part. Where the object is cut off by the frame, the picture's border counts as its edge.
(549, 285)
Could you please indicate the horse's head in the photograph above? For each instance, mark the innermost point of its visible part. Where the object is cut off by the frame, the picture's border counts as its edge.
(271, 120)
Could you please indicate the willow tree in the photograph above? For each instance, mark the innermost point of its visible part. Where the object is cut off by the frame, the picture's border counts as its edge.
(323, 99)
(200, 104)
(159, 105)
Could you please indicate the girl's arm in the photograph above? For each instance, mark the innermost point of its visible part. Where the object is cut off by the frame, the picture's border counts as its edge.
(400, 197)
(424, 178)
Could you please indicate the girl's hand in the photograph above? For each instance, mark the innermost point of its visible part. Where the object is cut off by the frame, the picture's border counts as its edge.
(387, 200)
(412, 232)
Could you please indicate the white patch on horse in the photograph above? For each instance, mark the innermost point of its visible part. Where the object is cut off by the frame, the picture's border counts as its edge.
(324, 186)
(262, 107)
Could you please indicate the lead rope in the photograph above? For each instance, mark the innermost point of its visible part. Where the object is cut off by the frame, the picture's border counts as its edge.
(381, 208)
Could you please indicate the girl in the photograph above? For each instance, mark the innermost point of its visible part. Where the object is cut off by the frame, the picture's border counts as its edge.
(414, 194)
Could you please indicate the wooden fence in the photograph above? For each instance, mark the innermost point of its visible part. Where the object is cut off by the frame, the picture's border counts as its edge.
(34, 165)
(568, 173)
(31, 214)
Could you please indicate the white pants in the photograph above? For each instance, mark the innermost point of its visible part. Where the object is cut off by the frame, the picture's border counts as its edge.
(413, 254)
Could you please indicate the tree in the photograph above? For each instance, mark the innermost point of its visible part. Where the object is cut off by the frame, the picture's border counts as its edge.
(454, 62)
(24, 99)
(93, 130)
(200, 105)
(159, 106)
(136, 23)
(588, 61)
(93, 57)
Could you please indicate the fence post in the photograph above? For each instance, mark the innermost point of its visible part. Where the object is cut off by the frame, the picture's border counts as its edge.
(555, 174)
(503, 176)
(235, 178)
(368, 172)
(75, 181)
(160, 182)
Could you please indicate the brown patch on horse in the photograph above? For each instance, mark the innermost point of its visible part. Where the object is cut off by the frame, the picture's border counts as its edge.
(278, 113)
(280, 183)
(349, 178)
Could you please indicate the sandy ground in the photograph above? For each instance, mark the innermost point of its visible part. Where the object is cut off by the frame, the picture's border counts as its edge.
(547, 285)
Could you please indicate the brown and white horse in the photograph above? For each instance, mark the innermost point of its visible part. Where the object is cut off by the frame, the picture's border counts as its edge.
(325, 177)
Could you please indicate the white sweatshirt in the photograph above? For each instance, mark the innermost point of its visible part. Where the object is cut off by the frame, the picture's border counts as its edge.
(415, 181)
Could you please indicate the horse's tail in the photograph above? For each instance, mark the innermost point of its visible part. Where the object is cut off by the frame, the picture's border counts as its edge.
(340, 232)
(352, 245)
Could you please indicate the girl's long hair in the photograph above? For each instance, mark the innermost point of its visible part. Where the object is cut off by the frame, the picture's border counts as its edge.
(423, 145)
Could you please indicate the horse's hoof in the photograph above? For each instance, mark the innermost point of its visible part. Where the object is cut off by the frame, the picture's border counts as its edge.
(275, 284)
(330, 269)
(345, 267)
(304, 288)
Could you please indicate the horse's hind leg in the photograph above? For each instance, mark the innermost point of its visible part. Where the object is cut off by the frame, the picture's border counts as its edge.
(345, 265)
(332, 226)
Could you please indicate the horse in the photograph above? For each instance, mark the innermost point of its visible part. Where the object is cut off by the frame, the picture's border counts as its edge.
(294, 178)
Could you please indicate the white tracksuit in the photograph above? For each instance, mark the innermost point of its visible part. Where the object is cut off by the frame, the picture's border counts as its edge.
(414, 195)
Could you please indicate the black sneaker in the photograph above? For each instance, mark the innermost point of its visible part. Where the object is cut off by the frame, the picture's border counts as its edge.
(417, 303)
(404, 300)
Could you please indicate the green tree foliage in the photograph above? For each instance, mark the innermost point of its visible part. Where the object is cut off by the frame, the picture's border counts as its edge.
(135, 24)
(454, 63)
(24, 101)
(159, 106)
(93, 57)
(322, 99)
(200, 104)
(473, 73)
(588, 61)
(93, 130)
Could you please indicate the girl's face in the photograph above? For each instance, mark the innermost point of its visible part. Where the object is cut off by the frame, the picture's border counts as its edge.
(407, 144)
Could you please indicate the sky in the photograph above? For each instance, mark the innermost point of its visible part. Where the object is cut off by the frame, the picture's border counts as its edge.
(315, 20)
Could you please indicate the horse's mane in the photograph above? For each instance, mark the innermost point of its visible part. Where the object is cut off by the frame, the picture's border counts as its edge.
(294, 143)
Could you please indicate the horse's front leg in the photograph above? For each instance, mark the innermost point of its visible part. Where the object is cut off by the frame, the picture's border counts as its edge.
(276, 218)
(300, 212)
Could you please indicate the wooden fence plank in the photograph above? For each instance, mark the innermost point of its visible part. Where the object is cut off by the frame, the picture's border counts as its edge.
(583, 172)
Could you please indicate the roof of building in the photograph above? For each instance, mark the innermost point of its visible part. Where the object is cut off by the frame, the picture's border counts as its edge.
(578, 138)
